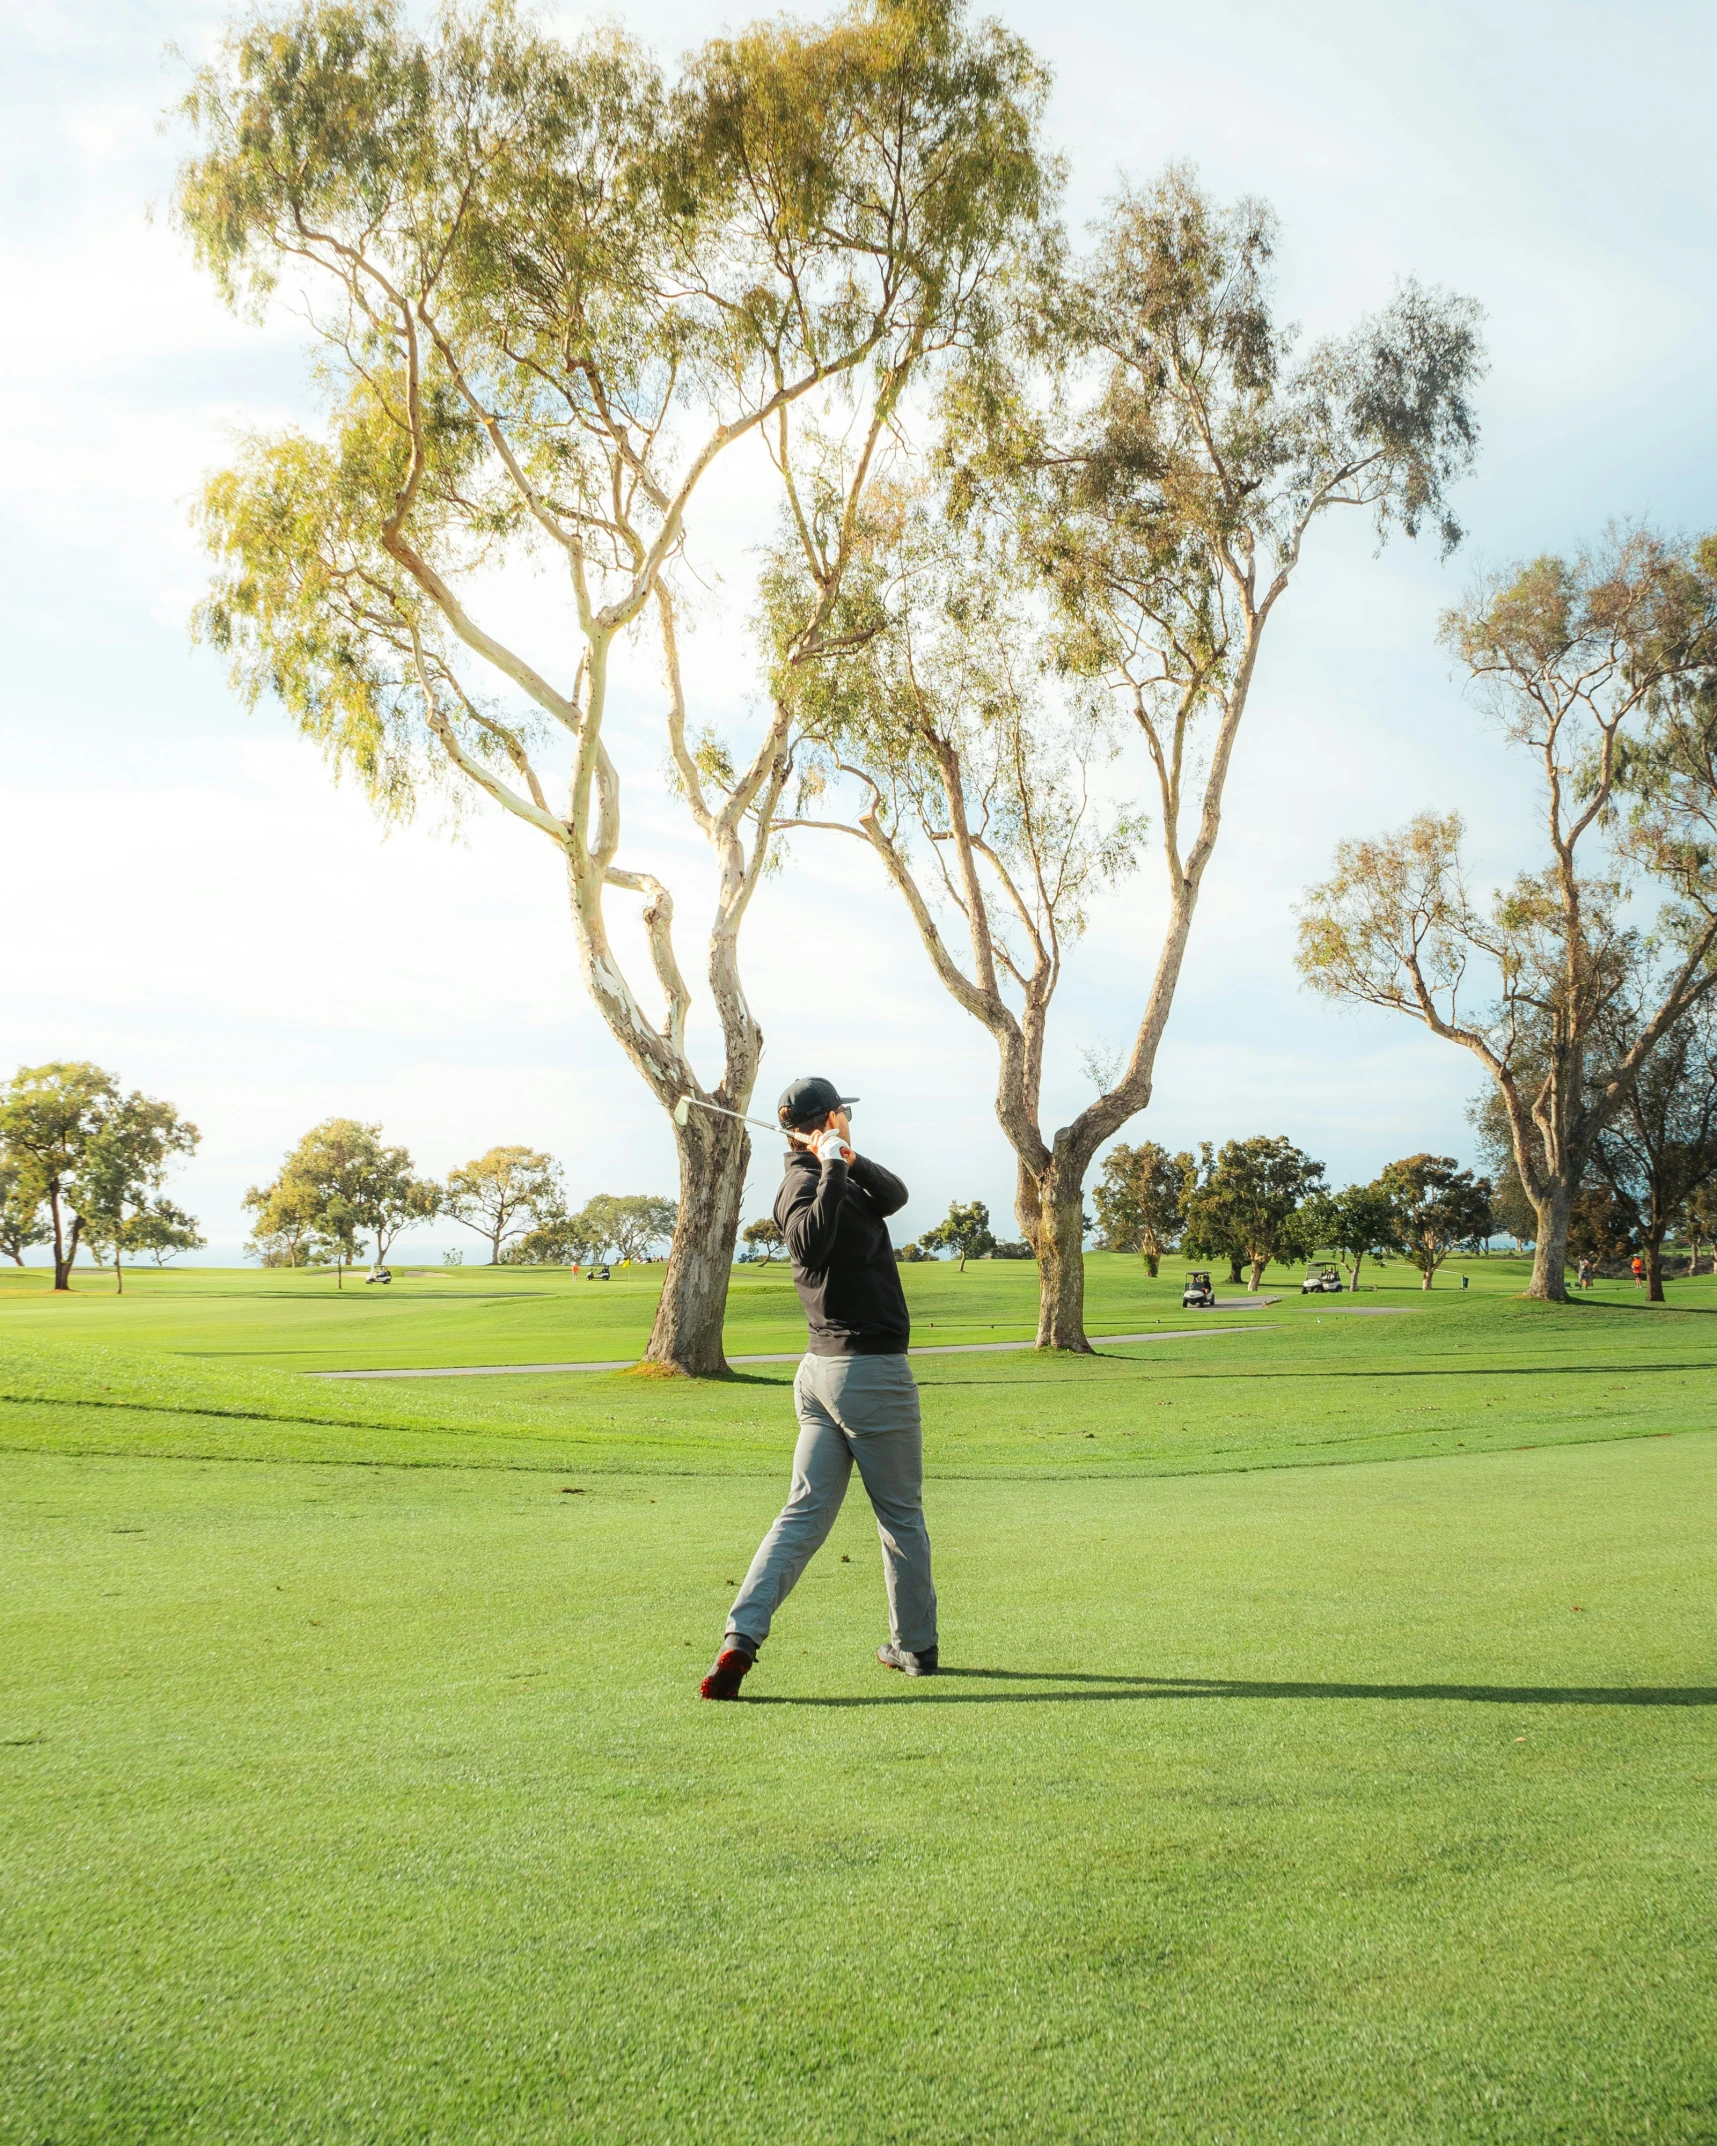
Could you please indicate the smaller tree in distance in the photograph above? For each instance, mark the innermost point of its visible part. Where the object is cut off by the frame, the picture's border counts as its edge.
(283, 1234)
(1356, 1224)
(964, 1230)
(1701, 1223)
(50, 1117)
(124, 1167)
(163, 1231)
(339, 1185)
(1139, 1200)
(1243, 1204)
(1438, 1206)
(764, 1237)
(503, 1193)
(1600, 1229)
(1661, 1147)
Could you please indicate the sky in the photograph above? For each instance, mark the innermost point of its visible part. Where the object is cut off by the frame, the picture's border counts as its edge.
(191, 901)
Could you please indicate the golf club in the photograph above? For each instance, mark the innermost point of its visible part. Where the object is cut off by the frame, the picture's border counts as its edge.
(684, 1107)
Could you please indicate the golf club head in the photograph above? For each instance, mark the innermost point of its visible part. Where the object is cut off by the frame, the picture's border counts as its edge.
(682, 1110)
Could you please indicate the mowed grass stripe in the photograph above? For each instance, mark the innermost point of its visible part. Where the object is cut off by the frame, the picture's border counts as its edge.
(1350, 1803)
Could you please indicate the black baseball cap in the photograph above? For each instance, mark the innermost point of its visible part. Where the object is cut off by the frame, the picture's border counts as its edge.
(808, 1098)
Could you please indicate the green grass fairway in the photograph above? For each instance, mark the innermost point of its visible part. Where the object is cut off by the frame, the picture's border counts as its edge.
(1315, 1765)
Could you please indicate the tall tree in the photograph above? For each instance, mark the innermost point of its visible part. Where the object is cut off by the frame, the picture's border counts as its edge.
(503, 1193)
(21, 1223)
(1156, 483)
(1702, 1224)
(51, 1117)
(123, 1170)
(1600, 667)
(1438, 1206)
(1243, 1204)
(1139, 1200)
(555, 293)
(963, 1230)
(1661, 1146)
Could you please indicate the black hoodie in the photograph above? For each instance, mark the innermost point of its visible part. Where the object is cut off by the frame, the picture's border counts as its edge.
(844, 1269)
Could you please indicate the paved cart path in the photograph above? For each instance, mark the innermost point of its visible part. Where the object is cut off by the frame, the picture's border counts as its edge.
(625, 1363)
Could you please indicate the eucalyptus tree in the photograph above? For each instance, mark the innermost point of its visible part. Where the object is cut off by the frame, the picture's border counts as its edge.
(502, 1194)
(120, 1200)
(1244, 1202)
(553, 292)
(1143, 467)
(1139, 1200)
(51, 1118)
(1599, 667)
(1437, 1207)
(964, 1230)
(1357, 1223)
(1660, 1148)
(337, 1187)
(91, 1159)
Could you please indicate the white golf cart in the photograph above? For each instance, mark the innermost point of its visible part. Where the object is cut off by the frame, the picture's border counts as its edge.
(378, 1274)
(1322, 1282)
(1198, 1294)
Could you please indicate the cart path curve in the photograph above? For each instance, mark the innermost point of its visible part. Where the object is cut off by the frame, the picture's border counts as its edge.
(625, 1363)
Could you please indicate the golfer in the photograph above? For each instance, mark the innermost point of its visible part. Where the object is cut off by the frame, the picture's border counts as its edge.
(855, 1396)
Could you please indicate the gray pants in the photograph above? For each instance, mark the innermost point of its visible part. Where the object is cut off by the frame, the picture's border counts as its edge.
(851, 1408)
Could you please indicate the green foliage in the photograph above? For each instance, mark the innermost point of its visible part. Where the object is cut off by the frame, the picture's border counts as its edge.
(1661, 1147)
(120, 1197)
(1601, 1227)
(1243, 1203)
(1358, 1223)
(338, 1186)
(964, 1230)
(626, 1225)
(503, 1194)
(1438, 1206)
(764, 1238)
(545, 267)
(93, 1157)
(1139, 1200)
(21, 1219)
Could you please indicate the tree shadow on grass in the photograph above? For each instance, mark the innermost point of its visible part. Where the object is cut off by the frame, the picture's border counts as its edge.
(1109, 1688)
(1371, 1373)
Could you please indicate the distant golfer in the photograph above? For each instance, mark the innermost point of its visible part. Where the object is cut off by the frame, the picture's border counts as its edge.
(854, 1393)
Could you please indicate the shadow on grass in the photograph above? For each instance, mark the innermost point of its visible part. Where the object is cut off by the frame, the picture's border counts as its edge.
(1119, 1687)
(1372, 1373)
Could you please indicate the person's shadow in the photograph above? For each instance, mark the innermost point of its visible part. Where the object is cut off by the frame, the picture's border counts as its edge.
(1092, 1685)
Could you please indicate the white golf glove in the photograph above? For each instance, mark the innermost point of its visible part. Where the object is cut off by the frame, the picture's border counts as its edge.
(830, 1146)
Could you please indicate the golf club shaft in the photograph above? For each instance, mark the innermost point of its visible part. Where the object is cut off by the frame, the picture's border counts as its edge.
(721, 1111)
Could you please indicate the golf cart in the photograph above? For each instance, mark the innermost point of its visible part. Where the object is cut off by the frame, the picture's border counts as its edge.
(379, 1274)
(1198, 1294)
(1322, 1282)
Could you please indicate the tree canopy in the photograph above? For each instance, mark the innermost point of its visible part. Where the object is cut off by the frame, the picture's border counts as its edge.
(554, 290)
(1600, 667)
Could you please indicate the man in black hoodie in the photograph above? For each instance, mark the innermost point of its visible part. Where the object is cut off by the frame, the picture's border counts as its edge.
(854, 1392)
